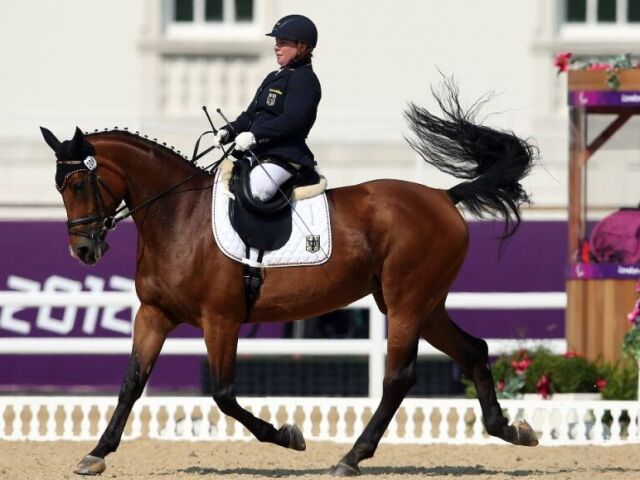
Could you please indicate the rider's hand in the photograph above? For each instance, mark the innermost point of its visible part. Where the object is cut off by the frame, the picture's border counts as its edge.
(220, 137)
(244, 141)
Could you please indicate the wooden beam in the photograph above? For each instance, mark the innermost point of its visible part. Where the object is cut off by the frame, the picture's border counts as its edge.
(606, 134)
(611, 110)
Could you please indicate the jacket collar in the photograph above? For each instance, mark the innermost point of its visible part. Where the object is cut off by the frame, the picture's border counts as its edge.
(300, 62)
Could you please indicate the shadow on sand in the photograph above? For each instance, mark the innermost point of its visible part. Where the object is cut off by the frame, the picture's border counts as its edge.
(407, 471)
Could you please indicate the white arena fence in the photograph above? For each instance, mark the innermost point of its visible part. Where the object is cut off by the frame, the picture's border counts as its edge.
(425, 421)
(374, 347)
(418, 421)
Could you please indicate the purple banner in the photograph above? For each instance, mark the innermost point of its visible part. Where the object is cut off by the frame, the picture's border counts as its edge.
(589, 271)
(594, 98)
(34, 258)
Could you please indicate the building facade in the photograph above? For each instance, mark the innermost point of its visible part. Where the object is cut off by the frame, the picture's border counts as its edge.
(151, 65)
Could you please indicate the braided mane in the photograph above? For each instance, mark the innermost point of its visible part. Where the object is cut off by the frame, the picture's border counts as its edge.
(154, 142)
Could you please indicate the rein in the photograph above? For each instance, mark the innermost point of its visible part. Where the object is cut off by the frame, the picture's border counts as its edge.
(109, 222)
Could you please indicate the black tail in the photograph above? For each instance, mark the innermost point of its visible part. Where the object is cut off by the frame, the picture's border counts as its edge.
(492, 161)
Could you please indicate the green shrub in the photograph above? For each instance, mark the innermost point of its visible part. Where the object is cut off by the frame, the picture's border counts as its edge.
(622, 381)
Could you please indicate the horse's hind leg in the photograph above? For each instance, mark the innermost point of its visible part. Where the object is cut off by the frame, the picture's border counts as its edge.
(471, 353)
(150, 330)
(400, 376)
(221, 338)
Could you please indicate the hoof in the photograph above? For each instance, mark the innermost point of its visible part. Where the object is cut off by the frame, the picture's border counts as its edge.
(296, 439)
(525, 435)
(344, 470)
(91, 465)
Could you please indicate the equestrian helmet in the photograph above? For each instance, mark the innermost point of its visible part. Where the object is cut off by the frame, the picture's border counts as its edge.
(297, 28)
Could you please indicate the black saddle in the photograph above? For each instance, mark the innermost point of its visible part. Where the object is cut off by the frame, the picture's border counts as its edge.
(264, 225)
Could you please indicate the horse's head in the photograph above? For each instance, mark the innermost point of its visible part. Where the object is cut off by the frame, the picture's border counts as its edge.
(91, 192)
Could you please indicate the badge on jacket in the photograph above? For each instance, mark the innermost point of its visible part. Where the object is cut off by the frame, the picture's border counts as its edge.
(272, 96)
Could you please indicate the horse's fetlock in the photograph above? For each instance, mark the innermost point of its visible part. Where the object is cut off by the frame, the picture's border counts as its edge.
(365, 450)
(495, 423)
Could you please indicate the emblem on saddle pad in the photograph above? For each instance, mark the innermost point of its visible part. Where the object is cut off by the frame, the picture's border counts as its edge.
(313, 243)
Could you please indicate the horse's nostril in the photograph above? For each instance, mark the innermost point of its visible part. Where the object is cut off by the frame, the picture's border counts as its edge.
(82, 252)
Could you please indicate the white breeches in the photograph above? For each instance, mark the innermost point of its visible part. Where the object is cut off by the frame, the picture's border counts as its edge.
(264, 185)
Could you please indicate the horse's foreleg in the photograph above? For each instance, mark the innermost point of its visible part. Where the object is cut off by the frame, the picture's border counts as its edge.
(472, 354)
(150, 331)
(400, 376)
(221, 338)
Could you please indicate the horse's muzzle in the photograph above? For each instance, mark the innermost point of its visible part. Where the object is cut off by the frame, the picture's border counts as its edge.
(90, 252)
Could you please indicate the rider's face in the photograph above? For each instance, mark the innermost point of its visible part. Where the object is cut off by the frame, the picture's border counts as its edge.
(287, 50)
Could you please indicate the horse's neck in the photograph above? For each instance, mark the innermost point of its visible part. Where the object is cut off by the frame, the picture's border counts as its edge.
(148, 171)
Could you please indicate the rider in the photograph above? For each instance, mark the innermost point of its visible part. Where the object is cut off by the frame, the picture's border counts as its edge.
(280, 116)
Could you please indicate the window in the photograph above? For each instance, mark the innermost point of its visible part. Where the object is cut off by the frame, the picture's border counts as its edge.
(601, 12)
(212, 11)
(576, 11)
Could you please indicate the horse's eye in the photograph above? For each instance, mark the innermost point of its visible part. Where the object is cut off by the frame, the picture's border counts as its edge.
(78, 187)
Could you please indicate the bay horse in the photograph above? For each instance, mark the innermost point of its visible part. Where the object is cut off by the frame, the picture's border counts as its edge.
(401, 241)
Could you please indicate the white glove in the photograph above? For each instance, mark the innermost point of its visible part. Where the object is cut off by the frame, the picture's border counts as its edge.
(244, 141)
(220, 138)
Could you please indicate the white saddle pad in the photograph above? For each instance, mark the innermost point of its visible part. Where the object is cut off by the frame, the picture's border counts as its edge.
(310, 241)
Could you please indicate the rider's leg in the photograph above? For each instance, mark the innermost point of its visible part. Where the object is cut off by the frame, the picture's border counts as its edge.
(266, 178)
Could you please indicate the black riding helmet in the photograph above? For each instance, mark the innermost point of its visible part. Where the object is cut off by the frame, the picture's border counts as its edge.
(297, 28)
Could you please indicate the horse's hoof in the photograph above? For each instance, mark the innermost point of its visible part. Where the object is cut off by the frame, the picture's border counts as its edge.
(91, 465)
(525, 435)
(344, 470)
(296, 439)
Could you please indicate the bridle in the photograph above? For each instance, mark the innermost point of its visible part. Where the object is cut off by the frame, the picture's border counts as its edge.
(108, 222)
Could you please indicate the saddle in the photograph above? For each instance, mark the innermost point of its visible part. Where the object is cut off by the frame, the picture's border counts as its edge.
(266, 226)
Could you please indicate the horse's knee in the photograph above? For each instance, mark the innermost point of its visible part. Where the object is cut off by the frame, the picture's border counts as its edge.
(402, 379)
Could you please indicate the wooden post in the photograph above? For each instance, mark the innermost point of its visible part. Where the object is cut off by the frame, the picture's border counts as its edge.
(577, 177)
(576, 313)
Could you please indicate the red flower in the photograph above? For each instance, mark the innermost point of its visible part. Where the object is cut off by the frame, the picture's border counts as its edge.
(601, 383)
(522, 365)
(571, 354)
(501, 385)
(598, 66)
(562, 61)
(543, 386)
(635, 313)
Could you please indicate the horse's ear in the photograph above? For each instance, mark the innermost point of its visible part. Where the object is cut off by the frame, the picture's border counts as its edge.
(75, 148)
(50, 138)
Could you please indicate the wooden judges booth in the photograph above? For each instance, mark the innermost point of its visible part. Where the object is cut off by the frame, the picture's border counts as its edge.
(599, 295)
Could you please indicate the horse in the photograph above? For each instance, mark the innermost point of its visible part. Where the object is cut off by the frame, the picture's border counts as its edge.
(401, 241)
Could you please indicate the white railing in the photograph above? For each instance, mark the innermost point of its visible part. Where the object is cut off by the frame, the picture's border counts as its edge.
(374, 347)
(422, 421)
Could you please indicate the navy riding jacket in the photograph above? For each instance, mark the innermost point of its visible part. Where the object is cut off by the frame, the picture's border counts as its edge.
(282, 113)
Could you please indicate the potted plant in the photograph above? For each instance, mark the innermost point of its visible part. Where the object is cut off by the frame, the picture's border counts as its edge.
(612, 73)
(545, 375)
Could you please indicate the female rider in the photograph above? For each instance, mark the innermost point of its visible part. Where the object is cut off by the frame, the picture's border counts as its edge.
(276, 123)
